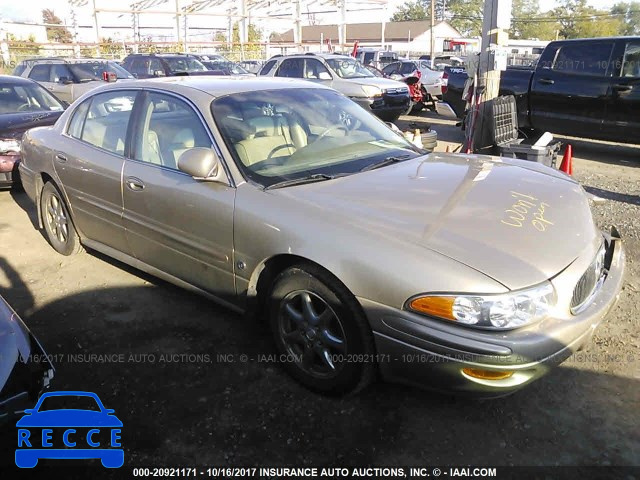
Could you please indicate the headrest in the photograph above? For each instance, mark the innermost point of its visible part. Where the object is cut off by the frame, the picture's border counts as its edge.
(264, 126)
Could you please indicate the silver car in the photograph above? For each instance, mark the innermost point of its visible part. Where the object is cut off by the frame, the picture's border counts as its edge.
(463, 273)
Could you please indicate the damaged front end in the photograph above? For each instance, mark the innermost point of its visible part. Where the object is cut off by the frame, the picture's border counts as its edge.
(25, 368)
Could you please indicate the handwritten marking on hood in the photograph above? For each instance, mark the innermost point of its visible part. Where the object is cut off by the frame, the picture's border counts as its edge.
(525, 207)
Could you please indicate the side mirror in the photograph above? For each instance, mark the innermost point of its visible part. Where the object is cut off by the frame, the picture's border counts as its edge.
(65, 80)
(202, 164)
(29, 411)
(324, 76)
(109, 411)
(158, 73)
(395, 76)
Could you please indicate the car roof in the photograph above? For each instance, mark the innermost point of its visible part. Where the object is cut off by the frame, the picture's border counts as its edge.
(214, 85)
(4, 79)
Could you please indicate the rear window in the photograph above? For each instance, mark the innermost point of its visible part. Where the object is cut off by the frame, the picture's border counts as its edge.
(589, 58)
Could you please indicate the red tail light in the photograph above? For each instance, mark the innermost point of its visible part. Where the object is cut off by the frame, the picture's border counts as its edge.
(445, 83)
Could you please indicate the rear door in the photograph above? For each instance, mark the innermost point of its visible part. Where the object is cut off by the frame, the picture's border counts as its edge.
(621, 120)
(179, 225)
(291, 67)
(569, 87)
(41, 73)
(89, 161)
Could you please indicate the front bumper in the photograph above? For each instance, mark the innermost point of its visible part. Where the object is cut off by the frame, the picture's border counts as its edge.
(9, 170)
(432, 353)
(386, 105)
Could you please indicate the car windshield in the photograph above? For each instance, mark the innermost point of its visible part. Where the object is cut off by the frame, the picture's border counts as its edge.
(184, 64)
(348, 68)
(27, 97)
(294, 133)
(93, 70)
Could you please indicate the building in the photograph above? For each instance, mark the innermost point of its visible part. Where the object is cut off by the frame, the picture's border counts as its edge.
(403, 37)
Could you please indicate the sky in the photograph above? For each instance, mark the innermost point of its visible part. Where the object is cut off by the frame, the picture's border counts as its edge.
(30, 11)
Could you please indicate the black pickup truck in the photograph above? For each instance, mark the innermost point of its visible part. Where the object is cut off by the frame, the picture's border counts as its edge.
(585, 88)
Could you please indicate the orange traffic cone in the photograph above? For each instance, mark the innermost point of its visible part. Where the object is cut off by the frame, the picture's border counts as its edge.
(567, 161)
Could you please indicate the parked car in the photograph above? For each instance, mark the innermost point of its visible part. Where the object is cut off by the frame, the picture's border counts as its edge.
(442, 60)
(226, 68)
(387, 99)
(464, 273)
(431, 79)
(252, 66)
(25, 369)
(585, 88)
(150, 65)
(68, 78)
(375, 57)
(23, 104)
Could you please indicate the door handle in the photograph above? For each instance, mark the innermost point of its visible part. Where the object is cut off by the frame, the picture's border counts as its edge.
(61, 157)
(134, 184)
(622, 88)
(546, 81)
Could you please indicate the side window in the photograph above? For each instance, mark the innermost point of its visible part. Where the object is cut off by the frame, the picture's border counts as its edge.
(168, 128)
(588, 58)
(407, 68)
(137, 66)
(155, 66)
(391, 69)
(77, 120)
(314, 69)
(39, 73)
(631, 60)
(108, 119)
(267, 67)
(291, 67)
(60, 71)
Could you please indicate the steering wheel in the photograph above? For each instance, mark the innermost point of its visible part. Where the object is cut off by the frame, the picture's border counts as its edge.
(23, 107)
(279, 147)
(331, 129)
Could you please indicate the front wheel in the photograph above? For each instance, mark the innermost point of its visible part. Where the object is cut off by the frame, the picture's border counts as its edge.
(321, 334)
(58, 225)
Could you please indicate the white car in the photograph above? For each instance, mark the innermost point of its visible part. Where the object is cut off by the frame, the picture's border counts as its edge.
(431, 79)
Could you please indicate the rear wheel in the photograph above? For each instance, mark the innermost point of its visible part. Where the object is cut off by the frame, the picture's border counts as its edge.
(323, 338)
(58, 225)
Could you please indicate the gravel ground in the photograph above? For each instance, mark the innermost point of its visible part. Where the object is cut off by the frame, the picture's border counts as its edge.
(206, 410)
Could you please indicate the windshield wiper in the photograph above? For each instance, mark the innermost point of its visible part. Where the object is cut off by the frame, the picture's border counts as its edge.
(385, 162)
(316, 177)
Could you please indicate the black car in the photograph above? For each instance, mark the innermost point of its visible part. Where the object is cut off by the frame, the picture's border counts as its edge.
(25, 369)
(24, 104)
(163, 65)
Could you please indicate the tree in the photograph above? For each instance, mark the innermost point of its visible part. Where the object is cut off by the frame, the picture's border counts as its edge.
(55, 34)
(629, 14)
(411, 11)
(250, 49)
(578, 20)
(466, 16)
(527, 23)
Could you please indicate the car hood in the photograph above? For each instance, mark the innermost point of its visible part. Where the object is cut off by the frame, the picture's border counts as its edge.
(69, 418)
(13, 125)
(15, 345)
(515, 221)
(383, 83)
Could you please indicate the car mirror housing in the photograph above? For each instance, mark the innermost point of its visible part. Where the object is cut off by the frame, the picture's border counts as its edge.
(324, 76)
(202, 164)
(29, 411)
(65, 80)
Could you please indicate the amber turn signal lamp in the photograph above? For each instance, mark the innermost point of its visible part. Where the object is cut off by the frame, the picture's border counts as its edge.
(486, 374)
(436, 306)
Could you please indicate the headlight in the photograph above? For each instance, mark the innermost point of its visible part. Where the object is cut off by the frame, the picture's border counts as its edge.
(371, 90)
(505, 311)
(9, 145)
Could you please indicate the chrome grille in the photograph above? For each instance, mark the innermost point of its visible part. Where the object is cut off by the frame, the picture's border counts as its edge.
(589, 282)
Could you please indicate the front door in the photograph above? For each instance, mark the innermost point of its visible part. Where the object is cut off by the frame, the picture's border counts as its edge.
(621, 121)
(179, 225)
(568, 92)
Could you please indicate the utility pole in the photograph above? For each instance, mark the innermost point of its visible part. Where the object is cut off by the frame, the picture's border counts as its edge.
(177, 21)
(433, 24)
(497, 19)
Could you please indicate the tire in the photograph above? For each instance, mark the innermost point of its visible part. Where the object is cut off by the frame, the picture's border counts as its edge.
(318, 327)
(58, 226)
(430, 137)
